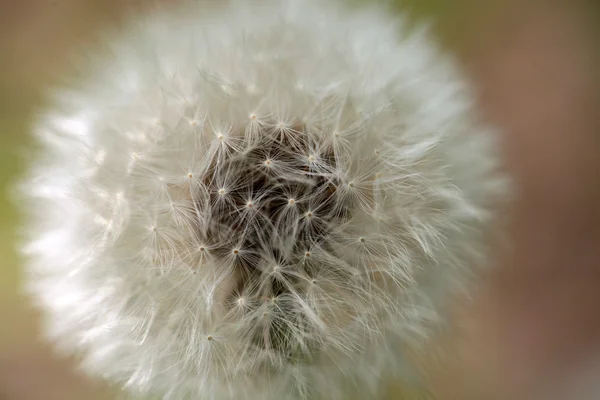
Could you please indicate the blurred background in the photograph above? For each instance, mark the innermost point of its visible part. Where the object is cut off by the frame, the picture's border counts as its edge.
(533, 329)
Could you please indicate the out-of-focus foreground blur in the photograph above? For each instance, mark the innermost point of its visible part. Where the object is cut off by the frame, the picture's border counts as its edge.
(533, 330)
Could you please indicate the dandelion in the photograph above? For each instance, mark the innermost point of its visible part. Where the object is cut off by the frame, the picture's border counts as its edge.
(257, 200)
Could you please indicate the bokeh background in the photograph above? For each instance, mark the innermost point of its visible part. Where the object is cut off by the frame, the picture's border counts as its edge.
(533, 329)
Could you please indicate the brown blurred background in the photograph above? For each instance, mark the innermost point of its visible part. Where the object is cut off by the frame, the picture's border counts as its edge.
(533, 330)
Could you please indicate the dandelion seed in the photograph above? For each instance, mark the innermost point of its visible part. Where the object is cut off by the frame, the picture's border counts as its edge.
(338, 188)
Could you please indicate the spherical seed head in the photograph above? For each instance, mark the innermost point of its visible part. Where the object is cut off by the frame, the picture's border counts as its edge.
(119, 149)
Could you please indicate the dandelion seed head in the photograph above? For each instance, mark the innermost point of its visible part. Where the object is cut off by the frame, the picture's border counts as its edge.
(188, 248)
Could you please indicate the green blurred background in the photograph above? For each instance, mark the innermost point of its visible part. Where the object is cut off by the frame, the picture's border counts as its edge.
(36, 37)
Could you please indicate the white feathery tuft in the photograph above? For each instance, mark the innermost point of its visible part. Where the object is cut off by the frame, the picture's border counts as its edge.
(260, 200)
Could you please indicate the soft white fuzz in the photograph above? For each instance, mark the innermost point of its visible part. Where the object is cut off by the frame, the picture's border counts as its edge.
(257, 200)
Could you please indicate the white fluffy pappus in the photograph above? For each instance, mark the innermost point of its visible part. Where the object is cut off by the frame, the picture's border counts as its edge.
(258, 200)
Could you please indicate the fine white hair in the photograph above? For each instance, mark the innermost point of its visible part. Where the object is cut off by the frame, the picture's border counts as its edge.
(256, 200)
